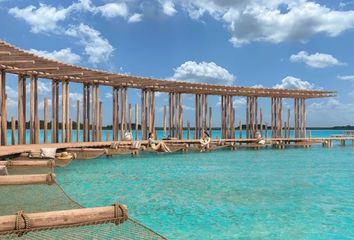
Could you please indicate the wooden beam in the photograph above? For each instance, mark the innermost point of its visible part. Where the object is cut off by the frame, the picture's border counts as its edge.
(16, 61)
(36, 69)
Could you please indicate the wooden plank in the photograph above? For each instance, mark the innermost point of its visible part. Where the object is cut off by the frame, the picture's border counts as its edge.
(3, 112)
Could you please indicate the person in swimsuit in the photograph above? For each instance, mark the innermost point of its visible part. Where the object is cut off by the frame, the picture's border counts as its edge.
(157, 146)
(205, 141)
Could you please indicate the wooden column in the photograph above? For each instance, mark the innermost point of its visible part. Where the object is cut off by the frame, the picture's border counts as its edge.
(3, 106)
(67, 113)
(261, 121)
(78, 124)
(21, 109)
(288, 128)
(45, 127)
(100, 122)
(63, 112)
(164, 121)
(143, 115)
(57, 112)
(136, 121)
(13, 130)
(94, 113)
(34, 128)
(210, 121)
(84, 114)
(88, 113)
(277, 122)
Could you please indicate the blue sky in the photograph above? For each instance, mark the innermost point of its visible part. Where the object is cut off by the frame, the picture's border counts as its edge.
(275, 43)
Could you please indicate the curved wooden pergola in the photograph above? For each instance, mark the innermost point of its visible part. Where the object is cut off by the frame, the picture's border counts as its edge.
(28, 65)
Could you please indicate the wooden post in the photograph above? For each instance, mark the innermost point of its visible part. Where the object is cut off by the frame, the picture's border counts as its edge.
(288, 129)
(63, 112)
(3, 106)
(210, 121)
(94, 115)
(70, 130)
(188, 130)
(266, 130)
(130, 118)
(56, 109)
(67, 114)
(143, 136)
(13, 130)
(21, 109)
(164, 121)
(84, 107)
(240, 130)
(88, 112)
(101, 125)
(261, 121)
(107, 135)
(33, 109)
(98, 114)
(45, 127)
(136, 121)
(78, 121)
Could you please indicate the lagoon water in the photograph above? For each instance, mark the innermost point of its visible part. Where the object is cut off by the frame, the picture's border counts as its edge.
(264, 194)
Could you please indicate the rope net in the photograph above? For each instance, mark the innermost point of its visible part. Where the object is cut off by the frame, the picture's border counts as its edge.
(44, 198)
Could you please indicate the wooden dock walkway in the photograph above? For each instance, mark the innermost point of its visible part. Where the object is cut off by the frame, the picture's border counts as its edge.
(18, 149)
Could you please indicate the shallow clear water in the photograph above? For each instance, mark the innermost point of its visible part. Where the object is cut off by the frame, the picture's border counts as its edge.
(273, 194)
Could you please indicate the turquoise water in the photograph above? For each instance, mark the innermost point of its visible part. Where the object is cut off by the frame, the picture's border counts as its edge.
(245, 194)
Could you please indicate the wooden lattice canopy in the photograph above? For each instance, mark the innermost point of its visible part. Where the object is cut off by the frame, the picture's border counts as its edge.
(18, 61)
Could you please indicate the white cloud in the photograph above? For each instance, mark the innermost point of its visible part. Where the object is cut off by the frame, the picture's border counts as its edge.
(63, 55)
(41, 19)
(320, 113)
(272, 21)
(97, 48)
(317, 60)
(168, 7)
(108, 95)
(112, 10)
(294, 83)
(347, 77)
(43, 87)
(203, 73)
(136, 17)
(74, 97)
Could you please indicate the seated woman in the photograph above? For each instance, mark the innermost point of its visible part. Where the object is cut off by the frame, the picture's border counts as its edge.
(157, 146)
(260, 140)
(205, 141)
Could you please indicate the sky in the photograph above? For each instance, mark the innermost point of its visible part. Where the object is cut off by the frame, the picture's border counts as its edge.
(296, 44)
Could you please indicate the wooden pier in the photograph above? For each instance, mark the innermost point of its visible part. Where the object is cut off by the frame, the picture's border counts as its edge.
(30, 68)
(10, 151)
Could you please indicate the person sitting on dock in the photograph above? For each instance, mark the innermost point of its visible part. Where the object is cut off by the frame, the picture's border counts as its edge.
(157, 146)
(205, 141)
(260, 140)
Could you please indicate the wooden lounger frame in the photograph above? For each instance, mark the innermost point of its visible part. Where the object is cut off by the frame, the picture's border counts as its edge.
(27, 179)
(21, 222)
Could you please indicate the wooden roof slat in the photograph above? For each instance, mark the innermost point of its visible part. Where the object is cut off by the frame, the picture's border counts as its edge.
(51, 69)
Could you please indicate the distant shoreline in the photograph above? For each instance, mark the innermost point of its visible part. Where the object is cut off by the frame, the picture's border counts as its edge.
(109, 127)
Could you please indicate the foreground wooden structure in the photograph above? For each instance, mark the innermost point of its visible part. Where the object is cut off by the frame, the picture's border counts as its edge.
(29, 68)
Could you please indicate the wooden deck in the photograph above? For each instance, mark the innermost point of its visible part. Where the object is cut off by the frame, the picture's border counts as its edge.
(17, 149)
